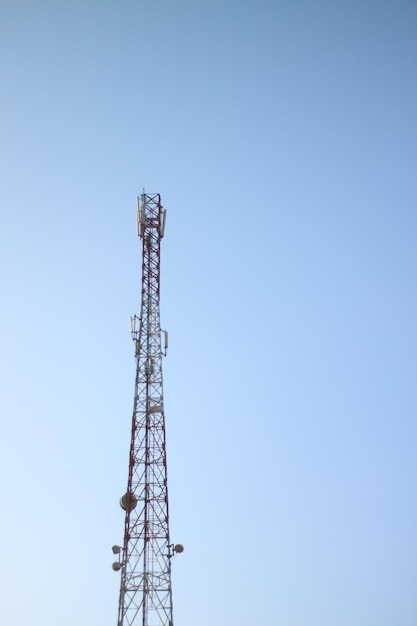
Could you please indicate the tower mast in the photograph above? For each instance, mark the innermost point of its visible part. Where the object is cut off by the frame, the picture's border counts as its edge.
(145, 558)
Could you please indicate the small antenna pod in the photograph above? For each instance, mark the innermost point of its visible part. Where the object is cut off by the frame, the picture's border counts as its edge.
(162, 220)
(165, 341)
(138, 216)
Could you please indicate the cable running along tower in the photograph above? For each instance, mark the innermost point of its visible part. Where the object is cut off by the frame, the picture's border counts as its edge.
(145, 557)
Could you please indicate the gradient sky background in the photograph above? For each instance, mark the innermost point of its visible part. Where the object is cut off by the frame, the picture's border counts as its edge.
(282, 136)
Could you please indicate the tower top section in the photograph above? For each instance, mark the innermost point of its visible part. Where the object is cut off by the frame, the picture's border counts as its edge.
(150, 215)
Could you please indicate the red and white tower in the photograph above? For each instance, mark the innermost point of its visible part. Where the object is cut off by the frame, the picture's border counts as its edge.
(145, 558)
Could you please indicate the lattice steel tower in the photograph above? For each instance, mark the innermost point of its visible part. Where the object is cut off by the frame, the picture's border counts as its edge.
(145, 558)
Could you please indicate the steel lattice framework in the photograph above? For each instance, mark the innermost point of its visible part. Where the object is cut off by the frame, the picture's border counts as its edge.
(145, 591)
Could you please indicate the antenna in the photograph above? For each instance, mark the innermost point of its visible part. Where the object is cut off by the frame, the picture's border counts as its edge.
(162, 220)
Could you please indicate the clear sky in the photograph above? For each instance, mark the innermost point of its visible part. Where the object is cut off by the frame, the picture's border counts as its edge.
(282, 136)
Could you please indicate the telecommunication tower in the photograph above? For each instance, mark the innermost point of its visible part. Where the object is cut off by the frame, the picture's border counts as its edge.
(145, 557)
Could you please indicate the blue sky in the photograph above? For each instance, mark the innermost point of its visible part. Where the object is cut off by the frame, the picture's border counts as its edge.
(282, 137)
